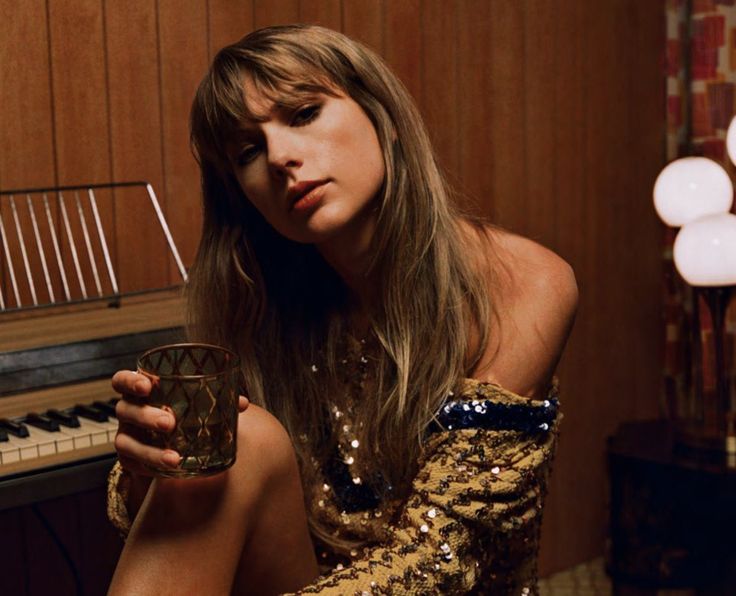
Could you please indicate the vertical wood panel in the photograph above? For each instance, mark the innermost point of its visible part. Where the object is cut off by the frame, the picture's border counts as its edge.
(282, 12)
(504, 142)
(183, 48)
(26, 123)
(440, 103)
(81, 119)
(567, 93)
(476, 172)
(403, 44)
(542, 119)
(364, 21)
(327, 13)
(229, 20)
(133, 75)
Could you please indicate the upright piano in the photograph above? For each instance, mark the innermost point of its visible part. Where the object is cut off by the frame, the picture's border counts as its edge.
(57, 423)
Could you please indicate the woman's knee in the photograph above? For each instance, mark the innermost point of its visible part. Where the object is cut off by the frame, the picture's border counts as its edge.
(265, 452)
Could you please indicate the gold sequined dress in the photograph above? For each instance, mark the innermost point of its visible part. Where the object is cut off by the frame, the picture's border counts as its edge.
(472, 520)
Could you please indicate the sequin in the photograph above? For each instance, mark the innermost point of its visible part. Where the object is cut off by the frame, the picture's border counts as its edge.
(424, 528)
(445, 548)
(314, 368)
(339, 567)
(350, 460)
(321, 503)
(356, 480)
(432, 513)
(495, 470)
(354, 443)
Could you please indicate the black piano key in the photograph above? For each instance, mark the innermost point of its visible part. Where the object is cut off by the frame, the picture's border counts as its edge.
(90, 412)
(63, 417)
(3, 435)
(14, 428)
(42, 421)
(106, 407)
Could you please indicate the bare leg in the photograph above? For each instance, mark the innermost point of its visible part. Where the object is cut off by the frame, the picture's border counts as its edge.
(230, 532)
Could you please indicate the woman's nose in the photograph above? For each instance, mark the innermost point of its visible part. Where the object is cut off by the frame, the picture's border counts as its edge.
(284, 151)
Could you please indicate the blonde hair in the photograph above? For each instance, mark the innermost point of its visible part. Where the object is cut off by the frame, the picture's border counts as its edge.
(278, 303)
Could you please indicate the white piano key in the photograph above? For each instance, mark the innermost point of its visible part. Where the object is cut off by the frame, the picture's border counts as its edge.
(28, 448)
(44, 442)
(98, 433)
(9, 452)
(63, 442)
(79, 436)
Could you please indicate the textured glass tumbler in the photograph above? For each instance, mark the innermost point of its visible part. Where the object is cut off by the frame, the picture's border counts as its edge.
(199, 384)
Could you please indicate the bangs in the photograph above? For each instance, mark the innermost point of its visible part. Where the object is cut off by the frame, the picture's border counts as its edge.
(221, 105)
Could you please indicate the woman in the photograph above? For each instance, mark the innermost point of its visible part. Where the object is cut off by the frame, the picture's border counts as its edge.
(398, 356)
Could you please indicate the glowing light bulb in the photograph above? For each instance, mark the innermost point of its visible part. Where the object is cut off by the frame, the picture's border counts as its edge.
(705, 251)
(731, 140)
(690, 188)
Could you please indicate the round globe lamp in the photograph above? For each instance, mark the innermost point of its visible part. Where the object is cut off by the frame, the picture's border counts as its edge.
(690, 188)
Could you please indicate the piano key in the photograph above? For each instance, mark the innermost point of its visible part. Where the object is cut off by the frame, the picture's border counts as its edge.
(28, 448)
(98, 434)
(13, 427)
(106, 407)
(9, 452)
(64, 418)
(87, 411)
(41, 421)
(3, 435)
(43, 438)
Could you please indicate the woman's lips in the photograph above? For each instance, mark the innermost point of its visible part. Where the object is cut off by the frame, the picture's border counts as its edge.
(309, 197)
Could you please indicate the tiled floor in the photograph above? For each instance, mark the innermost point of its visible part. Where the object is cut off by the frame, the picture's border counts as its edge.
(588, 579)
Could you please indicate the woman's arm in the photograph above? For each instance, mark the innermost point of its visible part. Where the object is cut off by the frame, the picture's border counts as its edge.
(474, 510)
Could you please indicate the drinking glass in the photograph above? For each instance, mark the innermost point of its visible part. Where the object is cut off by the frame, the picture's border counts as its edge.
(199, 384)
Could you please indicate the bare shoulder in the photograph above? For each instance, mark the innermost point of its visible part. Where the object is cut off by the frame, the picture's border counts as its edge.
(534, 295)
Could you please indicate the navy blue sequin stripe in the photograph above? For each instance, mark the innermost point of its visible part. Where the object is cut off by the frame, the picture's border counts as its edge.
(351, 497)
(491, 415)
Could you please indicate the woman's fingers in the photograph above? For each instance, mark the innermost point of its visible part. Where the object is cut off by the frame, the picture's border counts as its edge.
(131, 383)
(135, 456)
(143, 416)
(243, 403)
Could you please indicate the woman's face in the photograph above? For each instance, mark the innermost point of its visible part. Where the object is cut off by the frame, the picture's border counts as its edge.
(314, 171)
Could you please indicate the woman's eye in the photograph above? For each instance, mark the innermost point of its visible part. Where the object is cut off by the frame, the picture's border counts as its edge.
(305, 115)
(247, 155)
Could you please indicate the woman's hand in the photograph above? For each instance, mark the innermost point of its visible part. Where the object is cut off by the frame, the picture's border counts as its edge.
(136, 418)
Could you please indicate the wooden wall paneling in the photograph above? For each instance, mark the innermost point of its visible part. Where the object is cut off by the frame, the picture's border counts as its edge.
(13, 568)
(440, 101)
(183, 50)
(81, 123)
(229, 20)
(26, 125)
(504, 143)
(402, 44)
(327, 13)
(476, 169)
(275, 12)
(363, 21)
(135, 129)
(647, 121)
(568, 95)
(541, 118)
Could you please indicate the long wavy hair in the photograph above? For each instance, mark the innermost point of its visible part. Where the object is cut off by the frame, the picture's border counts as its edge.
(284, 310)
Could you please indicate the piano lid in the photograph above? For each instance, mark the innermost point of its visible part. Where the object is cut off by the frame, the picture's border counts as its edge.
(55, 349)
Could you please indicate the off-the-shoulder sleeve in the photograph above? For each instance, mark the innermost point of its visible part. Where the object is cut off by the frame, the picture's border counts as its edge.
(471, 523)
(118, 489)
